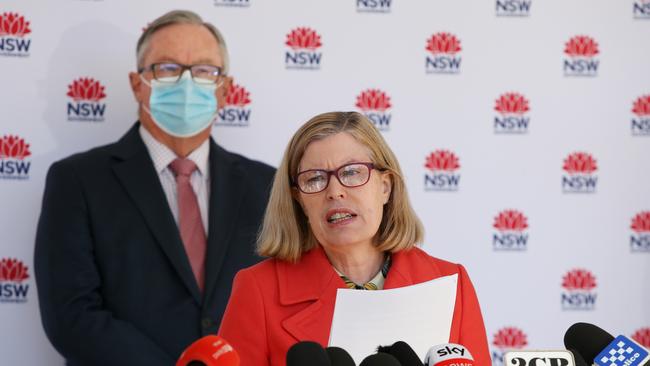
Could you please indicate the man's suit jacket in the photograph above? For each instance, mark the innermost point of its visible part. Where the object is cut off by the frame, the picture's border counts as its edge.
(275, 304)
(114, 283)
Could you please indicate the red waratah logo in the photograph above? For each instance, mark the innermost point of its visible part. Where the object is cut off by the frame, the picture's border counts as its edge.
(510, 338)
(641, 222)
(580, 163)
(510, 220)
(86, 89)
(581, 46)
(443, 43)
(512, 103)
(579, 279)
(442, 160)
(642, 106)
(13, 24)
(237, 96)
(373, 100)
(13, 147)
(13, 270)
(303, 38)
(642, 336)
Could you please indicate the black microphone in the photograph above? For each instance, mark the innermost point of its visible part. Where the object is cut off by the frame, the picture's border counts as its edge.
(339, 357)
(402, 352)
(587, 340)
(307, 353)
(598, 346)
(380, 359)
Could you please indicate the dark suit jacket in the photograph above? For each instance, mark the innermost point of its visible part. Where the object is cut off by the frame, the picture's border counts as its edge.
(114, 283)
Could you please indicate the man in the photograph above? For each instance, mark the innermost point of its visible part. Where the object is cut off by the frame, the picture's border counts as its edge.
(138, 241)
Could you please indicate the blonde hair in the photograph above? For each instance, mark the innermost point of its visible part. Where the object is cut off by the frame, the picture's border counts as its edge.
(285, 232)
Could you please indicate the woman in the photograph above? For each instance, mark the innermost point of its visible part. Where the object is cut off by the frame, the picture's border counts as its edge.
(338, 217)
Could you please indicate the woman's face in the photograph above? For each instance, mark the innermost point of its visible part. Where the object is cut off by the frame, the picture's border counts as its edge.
(342, 217)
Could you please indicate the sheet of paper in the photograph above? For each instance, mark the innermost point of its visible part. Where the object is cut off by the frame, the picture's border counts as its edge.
(419, 315)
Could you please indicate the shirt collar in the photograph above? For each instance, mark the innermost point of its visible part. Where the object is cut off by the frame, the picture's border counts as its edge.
(162, 155)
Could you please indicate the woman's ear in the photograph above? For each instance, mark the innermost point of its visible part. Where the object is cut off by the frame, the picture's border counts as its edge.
(386, 185)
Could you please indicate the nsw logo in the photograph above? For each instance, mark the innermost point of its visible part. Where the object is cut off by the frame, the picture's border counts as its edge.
(641, 124)
(641, 9)
(13, 31)
(442, 176)
(373, 6)
(578, 293)
(237, 111)
(86, 104)
(13, 153)
(443, 55)
(511, 232)
(233, 3)
(579, 177)
(505, 340)
(581, 58)
(643, 337)
(375, 104)
(640, 238)
(513, 8)
(512, 117)
(13, 274)
(303, 54)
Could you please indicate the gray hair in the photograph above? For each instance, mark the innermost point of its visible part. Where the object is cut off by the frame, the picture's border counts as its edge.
(180, 17)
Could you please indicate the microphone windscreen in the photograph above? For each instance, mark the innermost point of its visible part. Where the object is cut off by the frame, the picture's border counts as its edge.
(405, 354)
(587, 340)
(210, 350)
(380, 359)
(307, 353)
(339, 357)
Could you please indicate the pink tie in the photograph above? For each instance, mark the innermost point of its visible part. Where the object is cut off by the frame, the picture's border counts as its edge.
(189, 218)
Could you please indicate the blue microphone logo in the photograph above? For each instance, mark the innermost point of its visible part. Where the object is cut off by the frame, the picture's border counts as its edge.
(621, 352)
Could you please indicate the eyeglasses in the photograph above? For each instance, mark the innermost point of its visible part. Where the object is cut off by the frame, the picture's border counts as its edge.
(169, 72)
(349, 175)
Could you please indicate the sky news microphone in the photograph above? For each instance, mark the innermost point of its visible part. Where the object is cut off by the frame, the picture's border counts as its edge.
(541, 358)
(210, 350)
(380, 359)
(598, 346)
(402, 352)
(448, 354)
(339, 357)
(307, 353)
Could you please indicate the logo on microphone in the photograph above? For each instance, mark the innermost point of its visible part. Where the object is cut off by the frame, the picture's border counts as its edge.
(621, 352)
(375, 104)
(579, 178)
(507, 339)
(236, 112)
(513, 8)
(640, 238)
(642, 336)
(641, 9)
(442, 176)
(233, 3)
(14, 29)
(13, 274)
(512, 117)
(579, 294)
(373, 6)
(303, 44)
(86, 105)
(511, 232)
(13, 154)
(641, 108)
(443, 58)
(581, 58)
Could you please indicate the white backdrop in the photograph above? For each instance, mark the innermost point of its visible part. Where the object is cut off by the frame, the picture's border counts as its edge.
(545, 246)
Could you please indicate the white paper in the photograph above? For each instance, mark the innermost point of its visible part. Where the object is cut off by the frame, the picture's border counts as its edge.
(419, 315)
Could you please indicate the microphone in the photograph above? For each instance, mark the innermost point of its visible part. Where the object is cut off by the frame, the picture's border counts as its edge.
(380, 359)
(587, 340)
(449, 354)
(541, 358)
(307, 353)
(593, 343)
(402, 352)
(339, 357)
(210, 350)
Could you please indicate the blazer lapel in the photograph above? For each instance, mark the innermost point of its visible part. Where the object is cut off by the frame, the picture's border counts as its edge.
(226, 195)
(135, 170)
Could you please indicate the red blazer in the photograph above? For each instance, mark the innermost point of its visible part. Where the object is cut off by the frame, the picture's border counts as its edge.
(275, 304)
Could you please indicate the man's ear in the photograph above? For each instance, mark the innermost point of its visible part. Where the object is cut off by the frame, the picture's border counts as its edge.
(222, 90)
(136, 86)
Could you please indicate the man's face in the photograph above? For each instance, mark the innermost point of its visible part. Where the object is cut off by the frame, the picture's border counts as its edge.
(186, 44)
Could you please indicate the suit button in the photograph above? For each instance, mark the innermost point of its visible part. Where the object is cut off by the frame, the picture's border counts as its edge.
(206, 322)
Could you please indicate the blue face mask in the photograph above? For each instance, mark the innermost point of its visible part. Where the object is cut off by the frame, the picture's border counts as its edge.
(182, 109)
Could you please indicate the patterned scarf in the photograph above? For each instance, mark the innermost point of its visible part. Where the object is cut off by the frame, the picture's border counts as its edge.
(376, 283)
